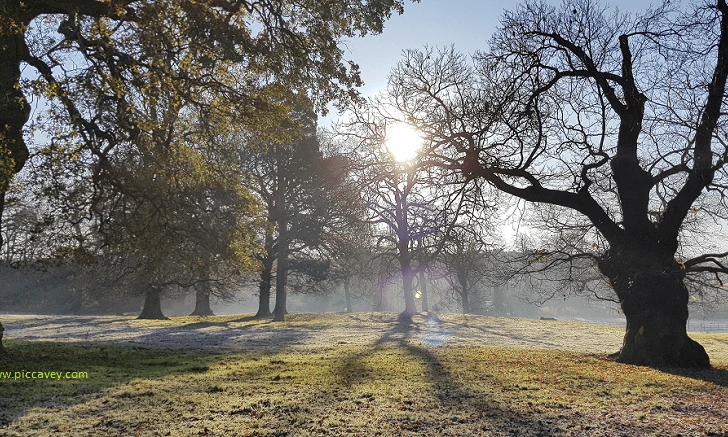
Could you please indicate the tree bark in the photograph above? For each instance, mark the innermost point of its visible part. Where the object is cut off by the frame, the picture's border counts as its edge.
(14, 108)
(347, 294)
(2, 204)
(423, 290)
(153, 305)
(410, 307)
(465, 302)
(202, 303)
(654, 300)
(266, 277)
(279, 311)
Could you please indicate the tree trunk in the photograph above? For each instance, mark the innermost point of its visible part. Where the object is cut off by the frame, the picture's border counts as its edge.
(153, 305)
(2, 202)
(423, 290)
(410, 308)
(281, 219)
(202, 303)
(266, 277)
(14, 108)
(347, 294)
(279, 311)
(464, 292)
(654, 300)
(466, 303)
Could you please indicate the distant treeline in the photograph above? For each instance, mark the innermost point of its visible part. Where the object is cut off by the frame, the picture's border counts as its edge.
(57, 290)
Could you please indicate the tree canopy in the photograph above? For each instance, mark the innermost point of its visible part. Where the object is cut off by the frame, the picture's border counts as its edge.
(97, 63)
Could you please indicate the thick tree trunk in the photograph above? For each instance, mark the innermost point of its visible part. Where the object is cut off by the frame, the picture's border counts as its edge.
(464, 292)
(347, 294)
(654, 300)
(279, 311)
(202, 303)
(266, 277)
(264, 298)
(153, 305)
(466, 302)
(410, 308)
(423, 290)
(14, 108)
(2, 202)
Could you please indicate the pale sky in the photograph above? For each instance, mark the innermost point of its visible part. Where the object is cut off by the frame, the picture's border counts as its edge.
(468, 24)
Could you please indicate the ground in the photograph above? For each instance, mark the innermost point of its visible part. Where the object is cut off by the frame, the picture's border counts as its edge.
(352, 375)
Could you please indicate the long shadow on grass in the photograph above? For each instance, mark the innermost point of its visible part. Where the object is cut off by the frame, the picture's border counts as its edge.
(499, 334)
(116, 362)
(198, 335)
(107, 367)
(241, 333)
(451, 394)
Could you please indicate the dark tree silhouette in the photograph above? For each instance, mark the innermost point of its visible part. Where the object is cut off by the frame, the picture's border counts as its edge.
(289, 179)
(617, 117)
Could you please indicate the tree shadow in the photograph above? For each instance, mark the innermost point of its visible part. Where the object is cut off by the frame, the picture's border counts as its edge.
(115, 363)
(717, 376)
(714, 375)
(106, 367)
(451, 394)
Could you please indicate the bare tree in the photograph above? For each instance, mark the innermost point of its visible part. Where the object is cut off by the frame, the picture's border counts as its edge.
(410, 205)
(469, 262)
(618, 118)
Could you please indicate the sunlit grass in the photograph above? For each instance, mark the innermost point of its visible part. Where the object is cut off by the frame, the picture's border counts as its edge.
(391, 388)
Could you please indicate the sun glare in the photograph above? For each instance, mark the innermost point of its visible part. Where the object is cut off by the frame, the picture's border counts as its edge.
(403, 142)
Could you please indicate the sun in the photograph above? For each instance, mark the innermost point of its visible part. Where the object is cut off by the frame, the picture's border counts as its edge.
(403, 142)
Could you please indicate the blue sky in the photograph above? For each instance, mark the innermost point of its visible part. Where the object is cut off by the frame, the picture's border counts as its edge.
(468, 24)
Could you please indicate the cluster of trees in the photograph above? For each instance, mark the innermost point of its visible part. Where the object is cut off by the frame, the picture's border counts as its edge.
(136, 93)
(184, 152)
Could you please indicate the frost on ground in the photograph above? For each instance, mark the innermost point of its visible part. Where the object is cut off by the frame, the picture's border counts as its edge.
(235, 332)
(241, 332)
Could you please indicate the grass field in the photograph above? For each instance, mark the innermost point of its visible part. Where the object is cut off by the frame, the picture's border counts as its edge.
(395, 385)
